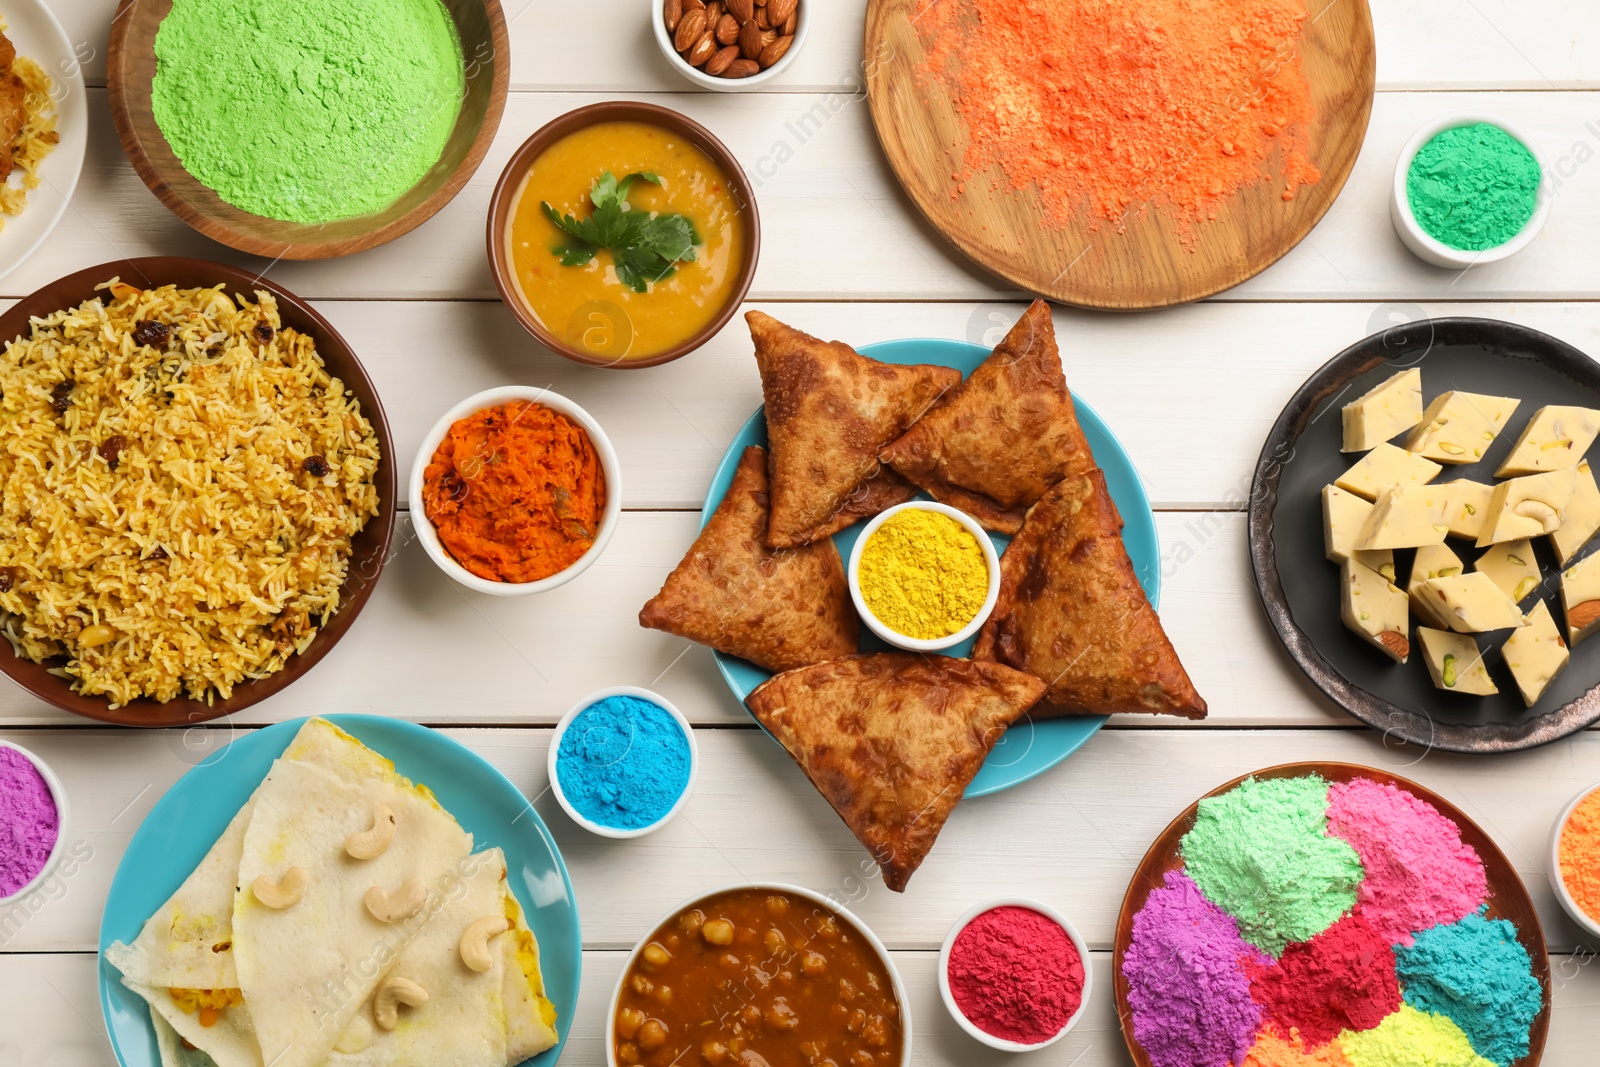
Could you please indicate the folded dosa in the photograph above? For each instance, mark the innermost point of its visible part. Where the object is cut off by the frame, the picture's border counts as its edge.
(829, 412)
(892, 739)
(1072, 612)
(995, 443)
(779, 608)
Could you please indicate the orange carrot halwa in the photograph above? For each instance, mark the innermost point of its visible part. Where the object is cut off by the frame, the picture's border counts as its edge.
(515, 492)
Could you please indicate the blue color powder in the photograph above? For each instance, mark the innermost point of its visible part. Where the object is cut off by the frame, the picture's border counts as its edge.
(1477, 973)
(623, 762)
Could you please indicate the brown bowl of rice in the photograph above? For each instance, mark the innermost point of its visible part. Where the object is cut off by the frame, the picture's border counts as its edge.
(197, 490)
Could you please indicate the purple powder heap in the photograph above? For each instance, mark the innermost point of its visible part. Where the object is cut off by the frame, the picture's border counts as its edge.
(1190, 996)
(29, 821)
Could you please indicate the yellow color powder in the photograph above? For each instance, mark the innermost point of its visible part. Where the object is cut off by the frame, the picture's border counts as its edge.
(1411, 1038)
(1270, 1050)
(1580, 855)
(923, 574)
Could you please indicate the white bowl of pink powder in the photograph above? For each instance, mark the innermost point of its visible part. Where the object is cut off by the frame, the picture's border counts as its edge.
(1014, 974)
(33, 822)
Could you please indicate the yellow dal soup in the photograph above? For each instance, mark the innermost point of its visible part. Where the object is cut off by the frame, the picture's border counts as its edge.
(589, 306)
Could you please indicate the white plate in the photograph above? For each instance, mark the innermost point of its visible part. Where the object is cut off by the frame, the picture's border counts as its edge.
(39, 37)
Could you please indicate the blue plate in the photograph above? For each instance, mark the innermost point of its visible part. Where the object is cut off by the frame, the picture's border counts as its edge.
(181, 828)
(1029, 748)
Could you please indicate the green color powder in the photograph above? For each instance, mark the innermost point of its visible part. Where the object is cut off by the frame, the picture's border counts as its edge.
(1410, 1038)
(1473, 187)
(1262, 853)
(308, 110)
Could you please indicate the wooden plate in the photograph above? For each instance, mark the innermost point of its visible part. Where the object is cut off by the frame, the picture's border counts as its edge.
(1508, 897)
(1299, 588)
(131, 66)
(369, 548)
(1146, 266)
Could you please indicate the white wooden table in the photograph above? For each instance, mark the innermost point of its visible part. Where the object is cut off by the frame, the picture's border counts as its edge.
(1191, 392)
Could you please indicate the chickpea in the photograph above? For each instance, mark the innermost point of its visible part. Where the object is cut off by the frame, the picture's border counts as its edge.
(714, 1052)
(876, 1032)
(717, 932)
(858, 1020)
(628, 1052)
(691, 921)
(777, 905)
(873, 984)
(628, 1022)
(730, 963)
(750, 1016)
(837, 1013)
(652, 1035)
(847, 990)
(774, 942)
(861, 1058)
(655, 956)
(811, 1051)
(673, 941)
(642, 985)
(813, 964)
(786, 978)
(828, 927)
(779, 1016)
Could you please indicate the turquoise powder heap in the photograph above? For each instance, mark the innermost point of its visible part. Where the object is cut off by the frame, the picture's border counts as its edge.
(1473, 187)
(1477, 974)
(623, 762)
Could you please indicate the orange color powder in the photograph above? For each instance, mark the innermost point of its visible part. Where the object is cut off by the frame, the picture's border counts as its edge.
(1109, 107)
(1271, 1050)
(1580, 855)
(515, 492)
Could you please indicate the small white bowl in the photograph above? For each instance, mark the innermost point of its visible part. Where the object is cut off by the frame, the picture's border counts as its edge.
(1429, 248)
(561, 731)
(729, 85)
(59, 795)
(494, 398)
(894, 637)
(1590, 925)
(944, 972)
(837, 910)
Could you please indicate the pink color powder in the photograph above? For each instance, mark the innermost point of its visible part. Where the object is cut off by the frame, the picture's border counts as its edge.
(1016, 974)
(1419, 872)
(29, 821)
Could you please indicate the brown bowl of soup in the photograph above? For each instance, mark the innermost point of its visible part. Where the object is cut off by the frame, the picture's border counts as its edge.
(759, 973)
(623, 235)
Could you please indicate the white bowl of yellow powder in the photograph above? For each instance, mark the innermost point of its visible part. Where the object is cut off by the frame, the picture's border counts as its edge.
(924, 576)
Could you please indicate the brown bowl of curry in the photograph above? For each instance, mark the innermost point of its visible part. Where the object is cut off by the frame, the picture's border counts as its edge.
(623, 235)
(765, 973)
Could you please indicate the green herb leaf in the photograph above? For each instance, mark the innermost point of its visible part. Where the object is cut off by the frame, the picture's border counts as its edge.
(644, 247)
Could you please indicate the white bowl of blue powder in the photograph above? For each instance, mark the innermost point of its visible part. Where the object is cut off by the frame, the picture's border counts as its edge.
(623, 761)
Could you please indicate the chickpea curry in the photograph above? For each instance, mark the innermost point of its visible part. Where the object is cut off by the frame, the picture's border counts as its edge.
(752, 977)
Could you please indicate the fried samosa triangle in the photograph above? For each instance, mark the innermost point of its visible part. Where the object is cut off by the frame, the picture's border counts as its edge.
(829, 412)
(779, 608)
(891, 740)
(995, 443)
(1072, 612)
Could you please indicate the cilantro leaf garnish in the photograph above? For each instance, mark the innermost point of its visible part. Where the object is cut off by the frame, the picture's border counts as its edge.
(645, 246)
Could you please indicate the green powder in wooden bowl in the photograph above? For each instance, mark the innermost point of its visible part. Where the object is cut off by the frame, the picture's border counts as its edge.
(308, 110)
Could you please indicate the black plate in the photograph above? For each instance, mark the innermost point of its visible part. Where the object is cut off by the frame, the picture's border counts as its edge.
(1300, 589)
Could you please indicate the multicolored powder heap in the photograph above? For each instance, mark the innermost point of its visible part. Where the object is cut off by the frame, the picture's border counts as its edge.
(1580, 855)
(1419, 873)
(1270, 1050)
(1107, 107)
(1263, 853)
(1342, 979)
(1476, 973)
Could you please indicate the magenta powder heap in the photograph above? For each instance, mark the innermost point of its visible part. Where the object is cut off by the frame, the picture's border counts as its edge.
(29, 821)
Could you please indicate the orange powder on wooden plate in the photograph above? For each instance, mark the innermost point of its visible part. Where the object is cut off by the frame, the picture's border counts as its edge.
(1580, 855)
(1109, 107)
(515, 492)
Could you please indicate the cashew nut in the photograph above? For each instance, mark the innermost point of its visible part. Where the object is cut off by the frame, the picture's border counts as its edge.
(1539, 512)
(355, 1038)
(391, 994)
(285, 892)
(475, 941)
(370, 844)
(386, 909)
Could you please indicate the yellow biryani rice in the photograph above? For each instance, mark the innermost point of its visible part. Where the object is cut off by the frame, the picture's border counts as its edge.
(176, 511)
(37, 139)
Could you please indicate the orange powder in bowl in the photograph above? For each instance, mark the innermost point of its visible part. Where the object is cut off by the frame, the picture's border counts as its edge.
(1580, 855)
(515, 492)
(1108, 107)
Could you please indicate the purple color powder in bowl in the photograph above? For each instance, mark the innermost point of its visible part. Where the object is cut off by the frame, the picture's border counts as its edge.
(33, 820)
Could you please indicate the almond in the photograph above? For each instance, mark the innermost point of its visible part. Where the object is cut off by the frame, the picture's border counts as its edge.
(750, 39)
(741, 68)
(790, 26)
(778, 11)
(1396, 643)
(767, 37)
(703, 49)
(672, 12)
(775, 51)
(690, 27)
(762, 20)
(741, 10)
(693, 5)
(728, 30)
(713, 13)
(719, 63)
(1582, 616)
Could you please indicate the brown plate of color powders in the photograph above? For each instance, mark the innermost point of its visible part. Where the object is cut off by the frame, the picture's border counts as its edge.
(1116, 196)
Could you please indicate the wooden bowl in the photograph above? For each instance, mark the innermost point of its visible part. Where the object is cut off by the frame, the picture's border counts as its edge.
(1507, 899)
(369, 548)
(505, 195)
(131, 66)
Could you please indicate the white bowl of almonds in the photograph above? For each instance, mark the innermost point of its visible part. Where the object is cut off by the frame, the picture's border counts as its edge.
(729, 46)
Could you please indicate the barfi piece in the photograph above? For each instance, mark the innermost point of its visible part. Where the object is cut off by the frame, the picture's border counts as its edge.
(1555, 438)
(1530, 506)
(1469, 506)
(1433, 561)
(1375, 609)
(1580, 518)
(1383, 412)
(1455, 663)
(1536, 654)
(1343, 516)
(1580, 598)
(1512, 567)
(1459, 427)
(1384, 466)
(1406, 517)
(1472, 603)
